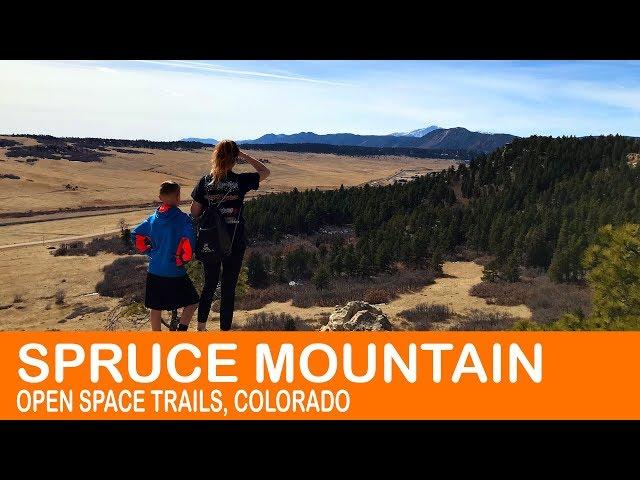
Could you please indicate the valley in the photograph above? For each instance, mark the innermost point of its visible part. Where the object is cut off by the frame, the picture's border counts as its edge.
(505, 241)
(56, 200)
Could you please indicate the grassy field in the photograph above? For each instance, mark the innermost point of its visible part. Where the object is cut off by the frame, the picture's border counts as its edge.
(67, 229)
(128, 179)
(33, 279)
(36, 288)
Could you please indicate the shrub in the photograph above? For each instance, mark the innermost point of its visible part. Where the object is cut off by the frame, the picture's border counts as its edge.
(527, 325)
(79, 310)
(112, 244)
(490, 271)
(18, 298)
(477, 320)
(376, 295)
(124, 277)
(508, 270)
(502, 293)
(344, 289)
(424, 314)
(264, 321)
(547, 301)
(133, 316)
(59, 297)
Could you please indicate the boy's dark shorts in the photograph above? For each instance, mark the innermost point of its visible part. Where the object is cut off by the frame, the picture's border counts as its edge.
(169, 293)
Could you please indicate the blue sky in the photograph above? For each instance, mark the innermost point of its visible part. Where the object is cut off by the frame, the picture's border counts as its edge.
(172, 99)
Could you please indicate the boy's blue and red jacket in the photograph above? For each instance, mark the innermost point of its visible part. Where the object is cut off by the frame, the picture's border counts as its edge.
(167, 237)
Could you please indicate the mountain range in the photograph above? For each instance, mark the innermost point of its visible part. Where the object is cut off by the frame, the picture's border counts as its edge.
(434, 138)
(211, 141)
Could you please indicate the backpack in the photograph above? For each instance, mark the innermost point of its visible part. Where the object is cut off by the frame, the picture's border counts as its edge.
(213, 242)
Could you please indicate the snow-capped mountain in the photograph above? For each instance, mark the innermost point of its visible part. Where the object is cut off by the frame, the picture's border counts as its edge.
(421, 132)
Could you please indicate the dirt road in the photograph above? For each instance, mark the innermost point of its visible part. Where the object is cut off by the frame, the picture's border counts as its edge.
(59, 230)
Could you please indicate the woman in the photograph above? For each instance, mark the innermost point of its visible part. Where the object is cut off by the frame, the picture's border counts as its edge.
(225, 189)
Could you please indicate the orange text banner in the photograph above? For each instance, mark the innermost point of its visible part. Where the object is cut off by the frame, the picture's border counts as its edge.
(311, 375)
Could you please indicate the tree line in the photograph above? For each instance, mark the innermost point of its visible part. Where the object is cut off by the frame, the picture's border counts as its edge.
(361, 151)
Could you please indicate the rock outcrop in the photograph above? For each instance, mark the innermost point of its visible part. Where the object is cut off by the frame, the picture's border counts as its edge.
(357, 316)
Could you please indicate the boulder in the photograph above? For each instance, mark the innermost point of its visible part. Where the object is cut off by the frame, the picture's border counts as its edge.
(357, 316)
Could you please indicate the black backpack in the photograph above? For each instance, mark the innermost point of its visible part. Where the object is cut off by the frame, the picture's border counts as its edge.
(213, 242)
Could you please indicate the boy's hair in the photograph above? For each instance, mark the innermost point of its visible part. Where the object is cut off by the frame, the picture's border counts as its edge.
(169, 187)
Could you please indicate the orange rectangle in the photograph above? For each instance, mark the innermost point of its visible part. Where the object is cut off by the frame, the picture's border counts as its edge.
(337, 375)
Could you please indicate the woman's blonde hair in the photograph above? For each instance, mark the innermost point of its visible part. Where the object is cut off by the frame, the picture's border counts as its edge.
(224, 157)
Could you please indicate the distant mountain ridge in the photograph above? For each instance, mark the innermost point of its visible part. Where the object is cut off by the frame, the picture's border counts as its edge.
(436, 138)
(210, 141)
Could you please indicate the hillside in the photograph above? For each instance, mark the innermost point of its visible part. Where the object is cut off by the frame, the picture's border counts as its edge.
(537, 202)
(429, 138)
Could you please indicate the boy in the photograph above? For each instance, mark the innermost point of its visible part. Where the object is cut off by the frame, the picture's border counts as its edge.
(167, 237)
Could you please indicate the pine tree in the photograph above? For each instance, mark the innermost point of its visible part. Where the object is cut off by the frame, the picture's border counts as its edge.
(321, 278)
(364, 267)
(613, 265)
(257, 275)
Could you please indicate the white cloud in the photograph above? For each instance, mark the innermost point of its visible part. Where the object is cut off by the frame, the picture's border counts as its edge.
(614, 95)
(209, 68)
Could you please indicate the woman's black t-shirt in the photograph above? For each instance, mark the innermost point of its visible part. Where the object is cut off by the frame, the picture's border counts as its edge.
(231, 191)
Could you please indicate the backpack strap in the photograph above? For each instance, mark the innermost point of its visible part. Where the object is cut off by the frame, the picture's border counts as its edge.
(222, 200)
(233, 237)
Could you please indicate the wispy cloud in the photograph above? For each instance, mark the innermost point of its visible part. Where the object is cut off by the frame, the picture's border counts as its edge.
(169, 99)
(614, 95)
(212, 68)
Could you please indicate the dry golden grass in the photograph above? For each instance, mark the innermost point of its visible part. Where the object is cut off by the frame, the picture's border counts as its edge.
(36, 275)
(129, 179)
(38, 286)
(68, 228)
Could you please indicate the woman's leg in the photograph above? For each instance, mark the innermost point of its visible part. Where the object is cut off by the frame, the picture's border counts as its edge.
(211, 275)
(156, 320)
(231, 266)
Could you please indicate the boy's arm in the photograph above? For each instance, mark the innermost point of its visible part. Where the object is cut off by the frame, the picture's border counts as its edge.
(184, 252)
(141, 237)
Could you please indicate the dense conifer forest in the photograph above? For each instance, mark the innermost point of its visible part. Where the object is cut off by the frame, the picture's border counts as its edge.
(537, 202)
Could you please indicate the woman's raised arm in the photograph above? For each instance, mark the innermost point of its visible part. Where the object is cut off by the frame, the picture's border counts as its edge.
(260, 167)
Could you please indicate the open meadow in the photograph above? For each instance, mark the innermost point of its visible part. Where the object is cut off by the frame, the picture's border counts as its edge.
(46, 202)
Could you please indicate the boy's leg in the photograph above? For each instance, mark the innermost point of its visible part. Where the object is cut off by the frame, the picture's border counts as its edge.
(156, 320)
(185, 317)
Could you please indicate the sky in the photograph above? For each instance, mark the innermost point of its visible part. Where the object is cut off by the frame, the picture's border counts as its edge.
(173, 99)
